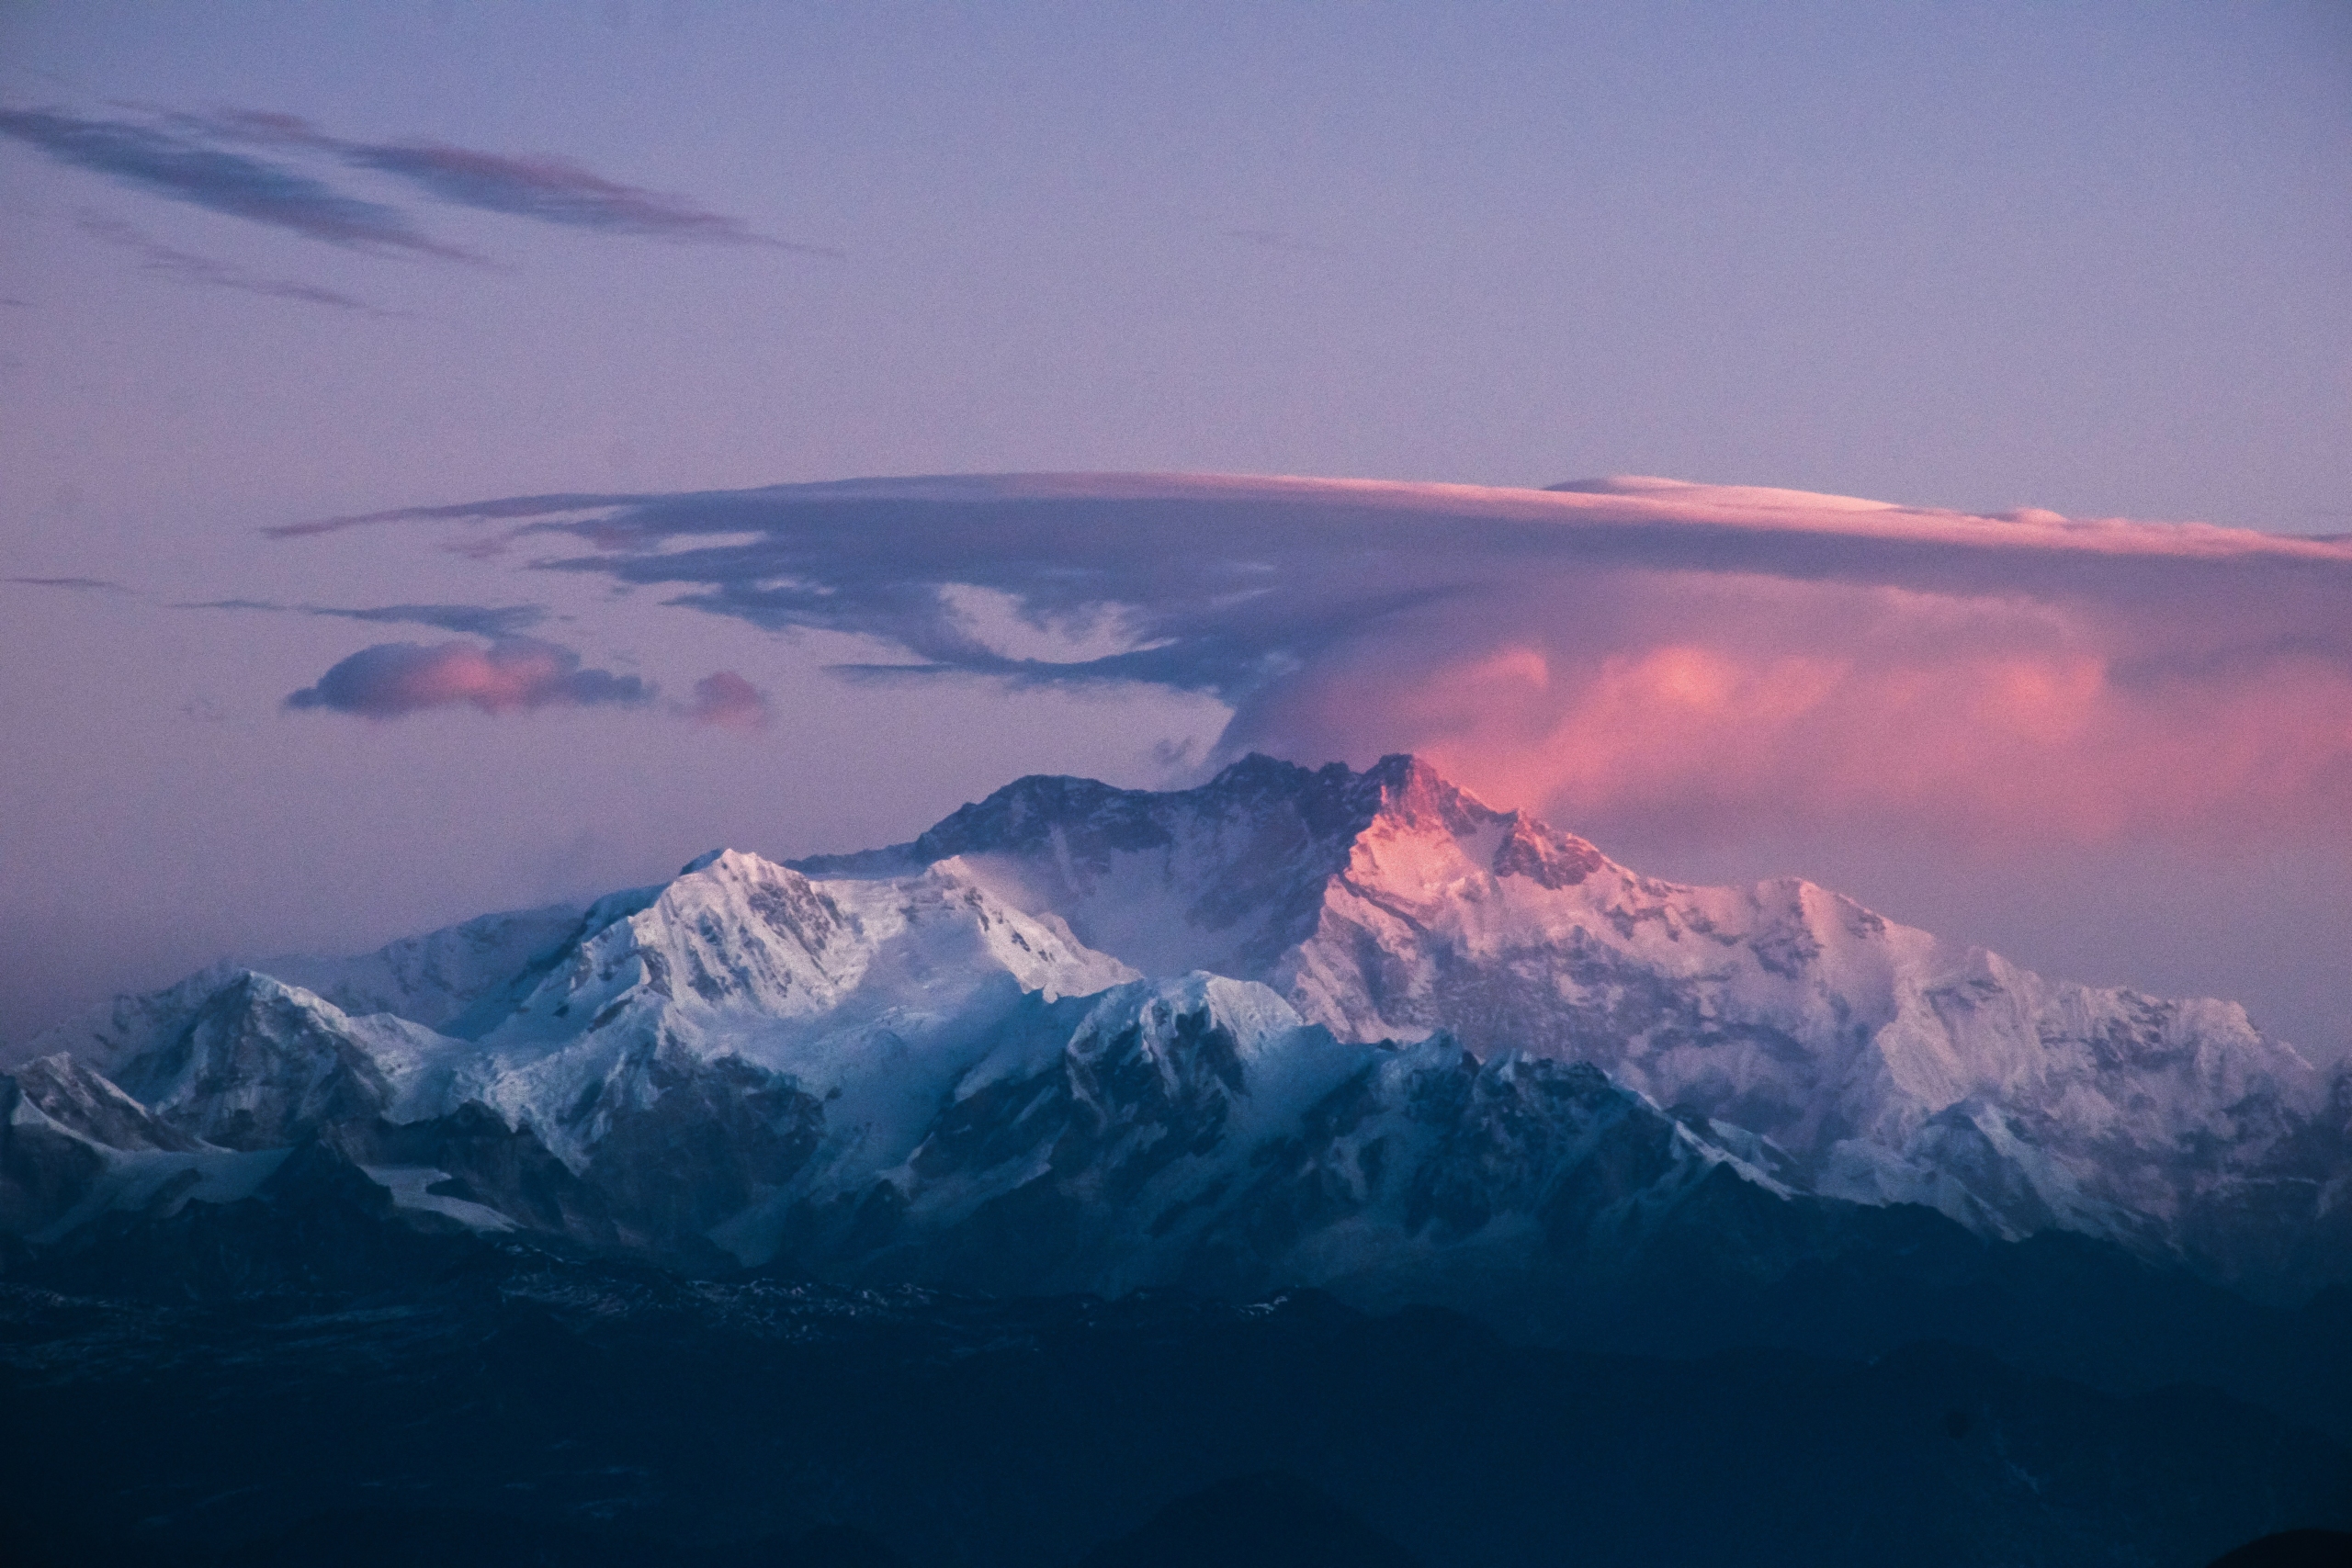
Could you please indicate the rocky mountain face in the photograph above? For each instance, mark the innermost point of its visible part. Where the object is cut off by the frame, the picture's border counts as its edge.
(1358, 1031)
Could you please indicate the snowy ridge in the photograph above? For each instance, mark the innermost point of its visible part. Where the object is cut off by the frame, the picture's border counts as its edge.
(1399, 1042)
(74, 1146)
(1222, 879)
(1884, 1065)
(840, 989)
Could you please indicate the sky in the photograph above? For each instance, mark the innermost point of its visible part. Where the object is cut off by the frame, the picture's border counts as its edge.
(613, 317)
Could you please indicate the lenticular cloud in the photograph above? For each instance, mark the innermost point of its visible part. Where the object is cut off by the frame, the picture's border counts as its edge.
(1728, 658)
(393, 679)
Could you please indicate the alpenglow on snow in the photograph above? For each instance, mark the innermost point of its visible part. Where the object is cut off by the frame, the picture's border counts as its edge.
(1354, 1030)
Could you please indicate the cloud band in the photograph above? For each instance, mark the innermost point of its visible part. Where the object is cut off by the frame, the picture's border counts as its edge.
(1728, 656)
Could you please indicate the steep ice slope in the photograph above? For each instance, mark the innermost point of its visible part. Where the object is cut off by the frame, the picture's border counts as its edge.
(72, 1098)
(1196, 1132)
(1885, 1064)
(741, 938)
(240, 1060)
(863, 993)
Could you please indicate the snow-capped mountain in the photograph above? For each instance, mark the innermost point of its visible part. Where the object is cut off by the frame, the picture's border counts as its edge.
(1394, 1040)
(1882, 1064)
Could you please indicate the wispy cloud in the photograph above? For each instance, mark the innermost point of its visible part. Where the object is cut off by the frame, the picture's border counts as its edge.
(394, 679)
(187, 268)
(482, 620)
(557, 191)
(83, 584)
(213, 160)
(221, 181)
(536, 508)
(1722, 656)
(545, 187)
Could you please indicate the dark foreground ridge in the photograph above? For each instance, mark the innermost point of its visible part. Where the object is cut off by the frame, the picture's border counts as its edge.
(2292, 1549)
(509, 1405)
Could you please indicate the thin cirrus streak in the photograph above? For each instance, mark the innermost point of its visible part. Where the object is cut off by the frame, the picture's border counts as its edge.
(175, 167)
(193, 158)
(530, 507)
(494, 621)
(188, 268)
(1731, 657)
(79, 584)
(557, 191)
(544, 187)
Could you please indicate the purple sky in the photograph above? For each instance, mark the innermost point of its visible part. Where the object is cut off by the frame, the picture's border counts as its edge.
(267, 266)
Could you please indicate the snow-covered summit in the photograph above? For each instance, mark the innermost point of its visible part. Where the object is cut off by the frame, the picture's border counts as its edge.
(738, 935)
(1884, 1063)
(1229, 878)
(873, 989)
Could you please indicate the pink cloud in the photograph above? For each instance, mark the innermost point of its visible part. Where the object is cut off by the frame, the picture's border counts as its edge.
(392, 680)
(729, 701)
(1727, 661)
(1723, 706)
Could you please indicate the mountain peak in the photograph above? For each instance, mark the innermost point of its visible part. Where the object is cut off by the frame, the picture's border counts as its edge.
(1414, 792)
(1313, 817)
(1237, 875)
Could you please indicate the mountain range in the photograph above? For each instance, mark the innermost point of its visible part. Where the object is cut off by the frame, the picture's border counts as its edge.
(1186, 1056)
(1354, 1030)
